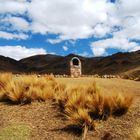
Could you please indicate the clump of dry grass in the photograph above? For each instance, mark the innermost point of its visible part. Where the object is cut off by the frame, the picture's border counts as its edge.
(4, 79)
(121, 104)
(81, 119)
(84, 105)
(27, 88)
(99, 105)
(14, 90)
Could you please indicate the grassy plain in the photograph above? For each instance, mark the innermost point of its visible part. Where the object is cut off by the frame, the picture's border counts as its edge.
(46, 120)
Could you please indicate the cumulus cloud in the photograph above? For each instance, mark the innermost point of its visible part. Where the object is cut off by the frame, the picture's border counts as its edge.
(99, 47)
(73, 19)
(13, 6)
(127, 19)
(65, 48)
(19, 52)
(10, 12)
(9, 36)
(54, 41)
(101, 30)
(76, 19)
(17, 23)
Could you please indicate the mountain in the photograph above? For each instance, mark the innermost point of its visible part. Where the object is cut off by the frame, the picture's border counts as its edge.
(10, 65)
(119, 63)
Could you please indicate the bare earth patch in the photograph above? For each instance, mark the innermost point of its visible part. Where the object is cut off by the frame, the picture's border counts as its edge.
(46, 123)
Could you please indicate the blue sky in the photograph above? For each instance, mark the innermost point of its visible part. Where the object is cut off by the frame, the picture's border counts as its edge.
(84, 27)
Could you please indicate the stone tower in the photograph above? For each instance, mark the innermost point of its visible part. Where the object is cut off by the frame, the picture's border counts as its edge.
(75, 67)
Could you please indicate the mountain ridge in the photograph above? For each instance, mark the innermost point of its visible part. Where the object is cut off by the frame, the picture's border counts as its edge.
(114, 64)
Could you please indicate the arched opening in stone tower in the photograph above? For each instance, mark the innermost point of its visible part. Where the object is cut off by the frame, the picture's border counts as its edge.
(75, 62)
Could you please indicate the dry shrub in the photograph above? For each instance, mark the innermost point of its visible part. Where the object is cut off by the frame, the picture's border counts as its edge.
(121, 104)
(84, 105)
(27, 88)
(102, 106)
(39, 88)
(81, 119)
(75, 98)
(15, 90)
(99, 105)
(4, 79)
(60, 95)
(78, 105)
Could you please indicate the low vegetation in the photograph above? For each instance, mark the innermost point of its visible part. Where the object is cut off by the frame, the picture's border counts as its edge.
(26, 88)
(15, 132)
(82, 106)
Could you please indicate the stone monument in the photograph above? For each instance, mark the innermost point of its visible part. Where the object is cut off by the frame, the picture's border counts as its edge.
(75, 67)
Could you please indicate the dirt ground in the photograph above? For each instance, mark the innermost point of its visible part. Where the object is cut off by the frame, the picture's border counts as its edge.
(46, 123)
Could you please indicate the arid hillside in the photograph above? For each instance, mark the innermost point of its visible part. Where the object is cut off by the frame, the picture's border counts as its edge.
(119, 63)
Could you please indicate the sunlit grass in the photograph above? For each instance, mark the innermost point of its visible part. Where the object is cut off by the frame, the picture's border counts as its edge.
(81, 105)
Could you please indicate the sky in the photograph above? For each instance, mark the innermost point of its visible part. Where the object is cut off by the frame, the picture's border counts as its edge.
(88, 28)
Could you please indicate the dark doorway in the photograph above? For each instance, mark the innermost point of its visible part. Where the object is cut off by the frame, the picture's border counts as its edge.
(75, 62)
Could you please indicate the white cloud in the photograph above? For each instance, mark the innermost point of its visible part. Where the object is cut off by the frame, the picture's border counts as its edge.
(13, 6)
(73, 19)
(99, 47)
(9, 8)
(19, 52)
(98, 51)
(65, 48)
(128, 7)
(101, 30)
(54, 41)
(76, 19)
(18, 23)
(9, 36)
(131, 29)
(126, 15)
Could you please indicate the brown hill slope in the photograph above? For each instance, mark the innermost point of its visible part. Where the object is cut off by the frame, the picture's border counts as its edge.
(10, 65)
(115, 64)
(118, 63)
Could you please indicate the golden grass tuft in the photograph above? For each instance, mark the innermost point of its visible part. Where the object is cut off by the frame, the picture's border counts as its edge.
(81, 119)
(27, 88)
(121, 104)
(4, 79)
(14, 90)
(84, 105)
